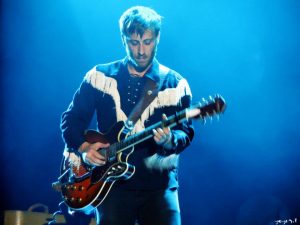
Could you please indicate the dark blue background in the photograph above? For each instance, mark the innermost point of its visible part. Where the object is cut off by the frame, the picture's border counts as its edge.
(248, 51)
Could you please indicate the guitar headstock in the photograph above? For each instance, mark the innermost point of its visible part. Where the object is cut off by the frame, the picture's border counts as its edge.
(208, 108)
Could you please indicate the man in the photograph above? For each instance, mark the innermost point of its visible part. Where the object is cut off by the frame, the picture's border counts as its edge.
(112, 91)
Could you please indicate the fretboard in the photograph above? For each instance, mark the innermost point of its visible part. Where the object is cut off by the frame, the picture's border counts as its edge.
(137, 138)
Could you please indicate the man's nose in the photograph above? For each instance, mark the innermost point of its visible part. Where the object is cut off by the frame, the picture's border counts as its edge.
(141, 49)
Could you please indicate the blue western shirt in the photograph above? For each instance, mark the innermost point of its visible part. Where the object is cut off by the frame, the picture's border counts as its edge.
(111, 92)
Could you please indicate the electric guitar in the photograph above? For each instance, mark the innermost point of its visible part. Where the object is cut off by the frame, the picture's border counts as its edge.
(84, 187)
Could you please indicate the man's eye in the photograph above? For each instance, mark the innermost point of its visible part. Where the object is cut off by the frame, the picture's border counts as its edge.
(147, 42)
(134, 42)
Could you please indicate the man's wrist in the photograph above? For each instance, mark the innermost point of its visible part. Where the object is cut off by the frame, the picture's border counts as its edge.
(83, 147)
(171, 143)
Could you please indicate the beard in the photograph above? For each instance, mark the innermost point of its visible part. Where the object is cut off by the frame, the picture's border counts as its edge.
(142, 62)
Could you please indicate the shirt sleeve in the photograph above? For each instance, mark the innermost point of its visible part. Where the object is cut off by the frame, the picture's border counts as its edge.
(76, 119)
(183, 133)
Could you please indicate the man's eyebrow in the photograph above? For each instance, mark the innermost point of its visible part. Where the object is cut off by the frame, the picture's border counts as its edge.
(137, 40)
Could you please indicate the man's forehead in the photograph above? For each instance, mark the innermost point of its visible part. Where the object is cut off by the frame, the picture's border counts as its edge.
(148, 34)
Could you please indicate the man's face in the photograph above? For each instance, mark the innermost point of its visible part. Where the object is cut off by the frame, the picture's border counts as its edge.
(141, 50)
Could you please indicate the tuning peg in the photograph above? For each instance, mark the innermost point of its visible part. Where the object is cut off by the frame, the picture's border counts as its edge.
(203, 121)
(198, 106)
(204, 100)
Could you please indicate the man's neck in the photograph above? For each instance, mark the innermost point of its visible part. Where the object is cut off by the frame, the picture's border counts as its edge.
(132, 70)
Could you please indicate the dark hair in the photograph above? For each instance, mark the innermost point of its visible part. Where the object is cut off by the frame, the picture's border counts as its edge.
(138, 19)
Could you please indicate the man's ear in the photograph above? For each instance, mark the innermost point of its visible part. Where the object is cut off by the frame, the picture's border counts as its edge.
(158, 38)
(123, 38)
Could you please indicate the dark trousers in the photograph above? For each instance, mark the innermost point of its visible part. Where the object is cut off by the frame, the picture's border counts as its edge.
(75, 217)
(126, 207)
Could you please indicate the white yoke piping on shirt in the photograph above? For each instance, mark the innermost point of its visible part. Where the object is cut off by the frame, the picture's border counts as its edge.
(167, 97)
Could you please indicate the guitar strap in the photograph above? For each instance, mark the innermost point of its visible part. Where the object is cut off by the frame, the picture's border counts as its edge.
(150, 91)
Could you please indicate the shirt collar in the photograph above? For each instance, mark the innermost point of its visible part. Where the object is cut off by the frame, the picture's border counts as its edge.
(153, 73)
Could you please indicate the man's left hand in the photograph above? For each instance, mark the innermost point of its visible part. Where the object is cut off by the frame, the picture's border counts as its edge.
(163, 136)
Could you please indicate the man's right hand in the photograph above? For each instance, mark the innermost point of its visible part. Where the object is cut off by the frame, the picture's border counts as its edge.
(90, 154)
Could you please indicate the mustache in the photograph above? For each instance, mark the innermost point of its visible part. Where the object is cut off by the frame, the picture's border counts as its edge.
(142, 56)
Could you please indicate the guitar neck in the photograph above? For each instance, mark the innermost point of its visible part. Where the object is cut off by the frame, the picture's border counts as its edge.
(213, 107)
(148, 132)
